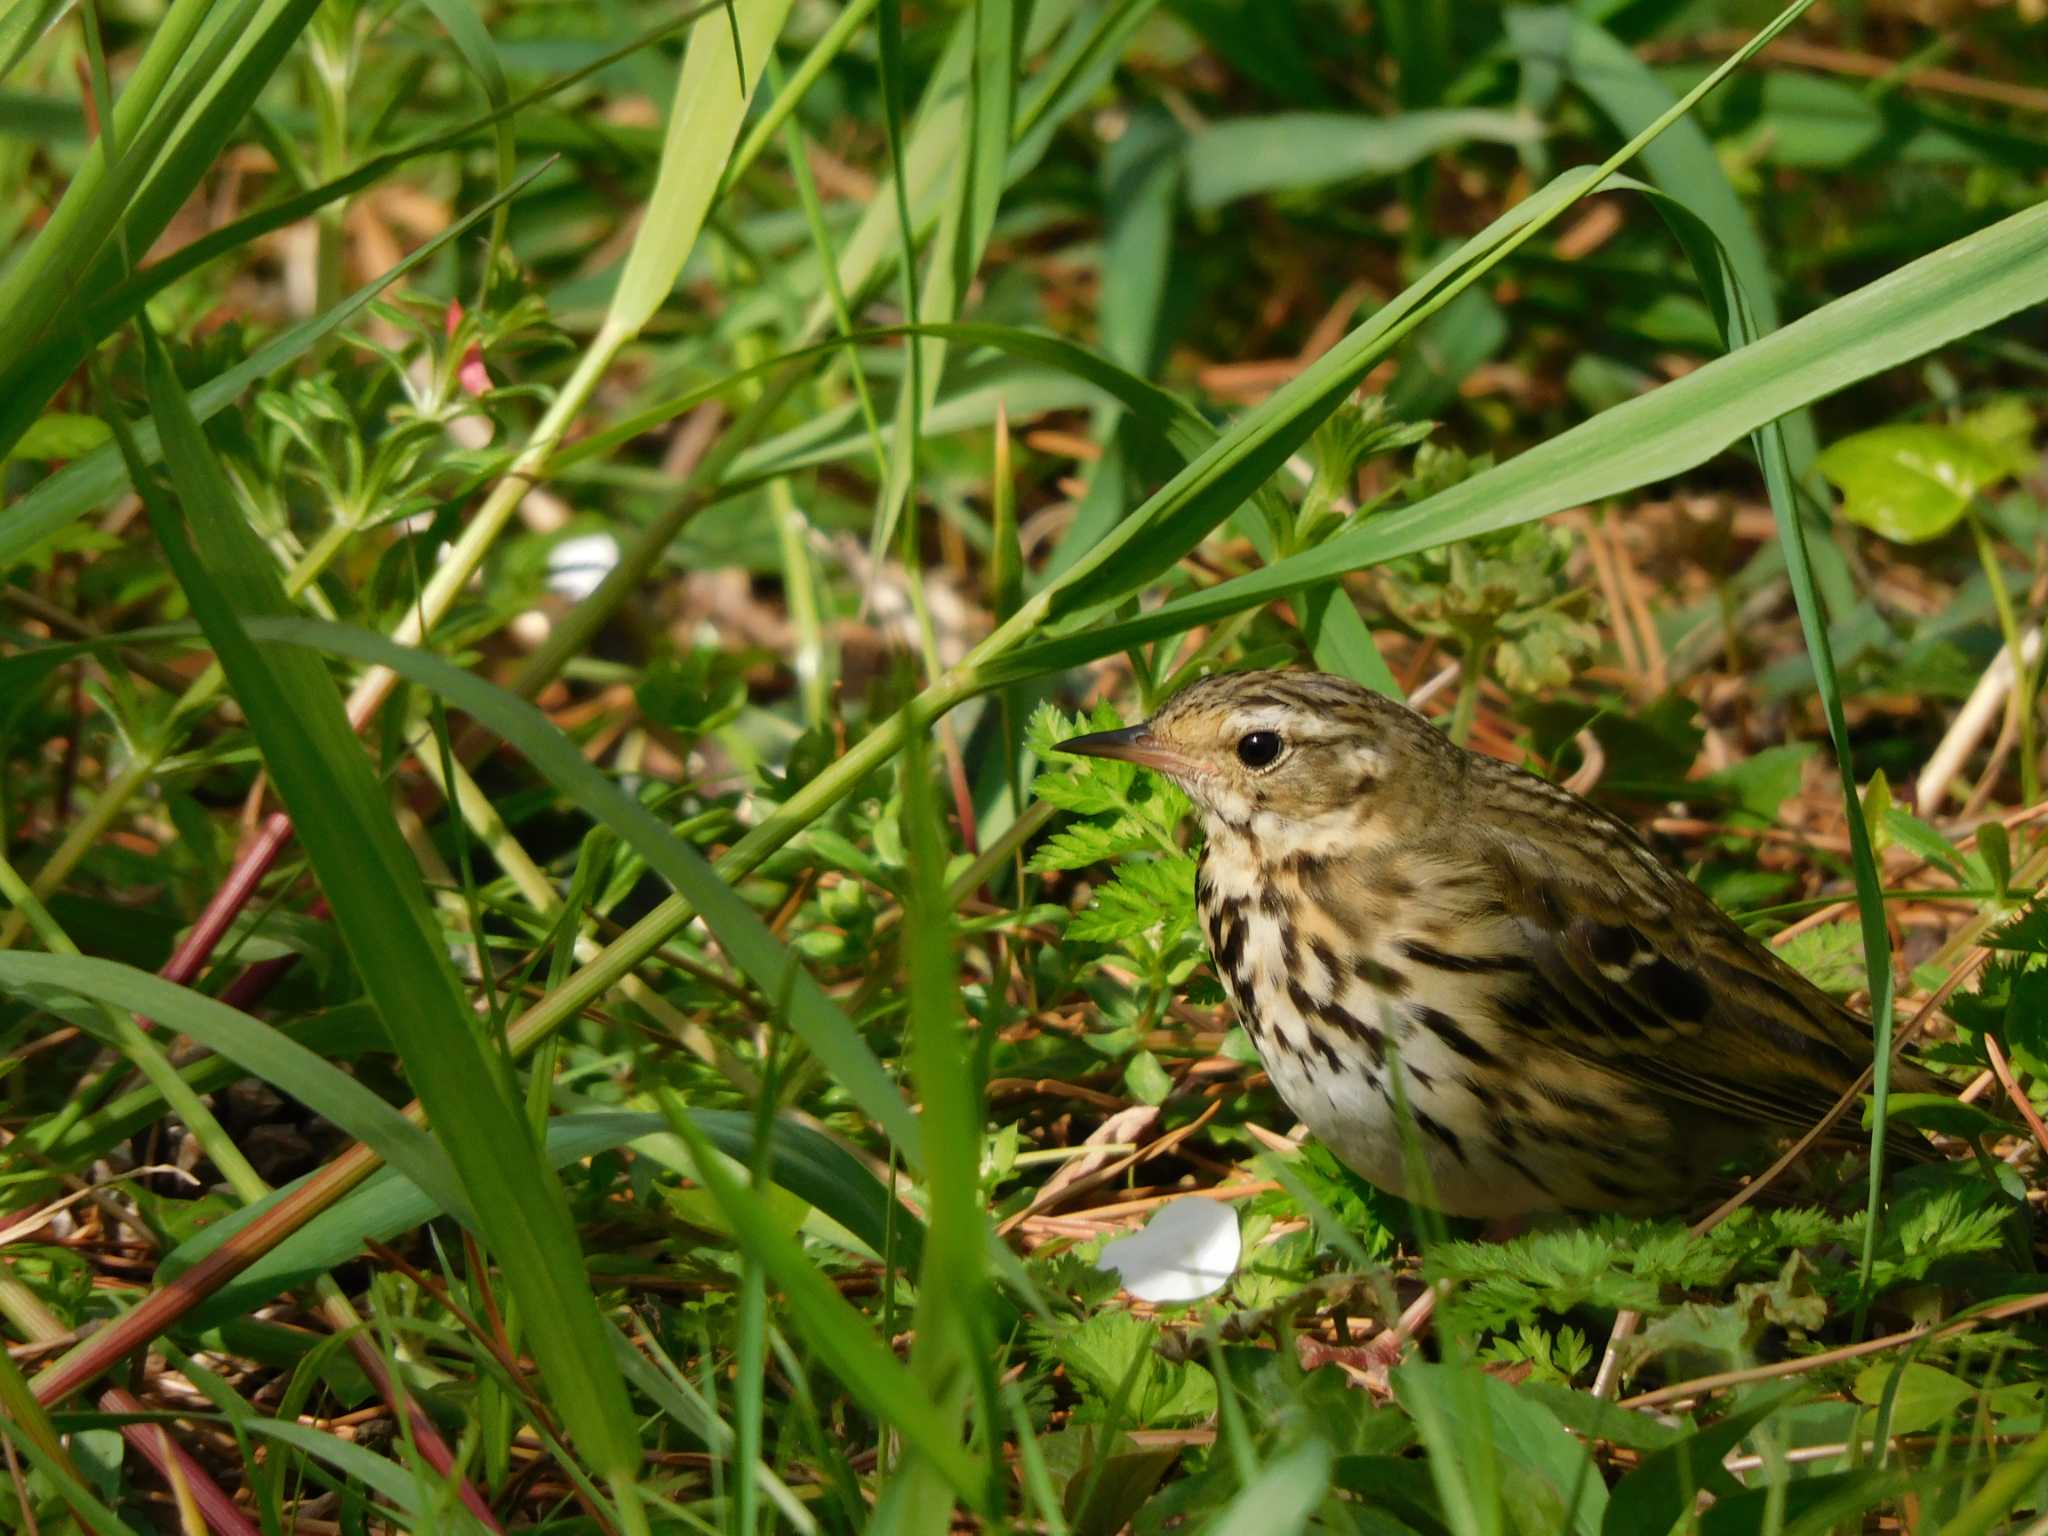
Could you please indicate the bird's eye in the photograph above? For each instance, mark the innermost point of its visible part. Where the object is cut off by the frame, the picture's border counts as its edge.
(1258, 749)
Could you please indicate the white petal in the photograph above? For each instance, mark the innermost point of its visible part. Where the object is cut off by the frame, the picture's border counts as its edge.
(1188, 1250)
(576, 566)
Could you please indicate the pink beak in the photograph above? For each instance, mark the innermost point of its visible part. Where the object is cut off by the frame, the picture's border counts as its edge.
(1132, 744)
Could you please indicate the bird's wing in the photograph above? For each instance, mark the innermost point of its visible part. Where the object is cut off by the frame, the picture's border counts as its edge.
(1671, 994)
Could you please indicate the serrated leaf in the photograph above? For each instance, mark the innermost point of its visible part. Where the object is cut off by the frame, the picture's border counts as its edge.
(1830, 956)
(1102, 1352)
(1764, 781)
(1087, 842)
(1085, 794)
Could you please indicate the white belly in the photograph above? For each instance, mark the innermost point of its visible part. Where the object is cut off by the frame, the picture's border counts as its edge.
(1333, 1045)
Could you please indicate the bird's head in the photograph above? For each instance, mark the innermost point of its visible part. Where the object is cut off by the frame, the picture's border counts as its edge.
(1261, 750)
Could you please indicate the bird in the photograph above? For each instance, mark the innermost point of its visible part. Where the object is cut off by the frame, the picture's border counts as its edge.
(1480, 991)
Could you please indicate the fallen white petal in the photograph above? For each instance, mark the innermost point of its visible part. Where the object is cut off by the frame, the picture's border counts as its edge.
(1188, 1250)
(577, 565)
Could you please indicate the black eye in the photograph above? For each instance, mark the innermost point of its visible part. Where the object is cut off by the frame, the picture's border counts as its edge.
(1258, 749)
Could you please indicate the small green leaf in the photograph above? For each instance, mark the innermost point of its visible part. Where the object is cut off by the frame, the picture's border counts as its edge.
(1830, 956)
(1103, 1352)
(1994, 847)
(1764, 782)
(1146, 1079)
(1909, 831)
(61, 435)
(1938, 1112)
(1926, 1394)
(2004, 429)
(1086, 843)
(1877, 804)
(1911, 482)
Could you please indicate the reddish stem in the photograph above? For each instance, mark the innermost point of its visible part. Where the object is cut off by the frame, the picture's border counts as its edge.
(216, 1507)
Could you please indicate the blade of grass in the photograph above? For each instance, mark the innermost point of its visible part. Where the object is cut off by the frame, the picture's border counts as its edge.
(953, 1345)
(23, 25)
(1877, 943)
(810, 1166)
(258, 1049)
(816, 1019)
(98, 477)
(842, 1337)
(103, 314)
(1683, 163)
(70, 256)
(373, 887)
(1962, 288)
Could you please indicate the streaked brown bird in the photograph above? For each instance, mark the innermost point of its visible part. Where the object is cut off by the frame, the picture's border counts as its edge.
(1574, 1025)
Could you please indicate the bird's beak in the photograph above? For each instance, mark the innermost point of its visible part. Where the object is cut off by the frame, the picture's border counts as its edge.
(1132, 744)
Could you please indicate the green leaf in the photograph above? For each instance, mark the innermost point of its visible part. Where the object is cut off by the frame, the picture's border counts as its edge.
(1877, 806)
(1909, 831)
(62, 435)
(1814, 121)
(1939, 1112)
(1087, 843)
(1911, 482)
(1282, 1498)
(1102, 1352)
(1830, 956)
(1245, 155)
(1143, 896)
(1762, 783)
(1994, 847)
(1665, 1486)
(1146, 1079)
(710, 102)
(1466, 1415)
(1922, 1396)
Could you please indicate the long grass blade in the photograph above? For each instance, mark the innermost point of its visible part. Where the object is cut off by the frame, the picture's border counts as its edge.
(375, 892)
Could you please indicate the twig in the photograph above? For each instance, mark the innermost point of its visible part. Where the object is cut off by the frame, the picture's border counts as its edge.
(2020, 1101)
(1704, 1384)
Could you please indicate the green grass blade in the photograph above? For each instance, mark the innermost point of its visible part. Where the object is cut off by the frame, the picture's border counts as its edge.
(1683, 163)
(256, 1047)
(98, 477)
(473, 41)
(379, 906)
(72, 255)
(104, 313)
(1249, 155)
(22, 25)
(953, 1346)
(389, 1203)
(745, 938)
(1966, 286)
(703, 125)
(842, 1337)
